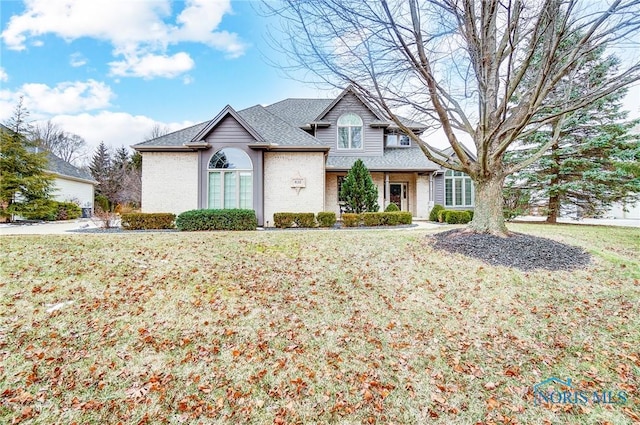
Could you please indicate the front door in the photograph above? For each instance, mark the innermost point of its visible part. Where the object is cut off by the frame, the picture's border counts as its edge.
(398, 195)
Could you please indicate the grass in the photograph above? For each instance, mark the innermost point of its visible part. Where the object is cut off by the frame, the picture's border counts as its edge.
(310, 327)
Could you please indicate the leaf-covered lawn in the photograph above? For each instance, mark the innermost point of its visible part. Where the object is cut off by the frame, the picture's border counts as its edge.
(310, 327)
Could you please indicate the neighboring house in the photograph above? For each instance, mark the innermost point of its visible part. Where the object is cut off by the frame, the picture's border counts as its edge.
(71, 184)
(292, 156)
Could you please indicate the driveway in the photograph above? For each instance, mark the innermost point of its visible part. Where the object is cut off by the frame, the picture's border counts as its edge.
(46, 228)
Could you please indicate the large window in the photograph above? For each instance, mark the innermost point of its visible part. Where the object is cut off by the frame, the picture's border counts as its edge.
(230, 180)
(458, 189)
(349, 132)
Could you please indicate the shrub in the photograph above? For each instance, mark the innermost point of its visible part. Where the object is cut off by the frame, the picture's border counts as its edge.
(393, 218)
(433, 215)
(392, 207)
(351, 219)
(101, 202)
(456, 217)
(68, 211)
(326, 219)
(284, 220)
(470, 214)
(231, 219)
(147, 221)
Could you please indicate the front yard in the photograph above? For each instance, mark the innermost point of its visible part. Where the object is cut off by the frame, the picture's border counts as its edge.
(311, 327)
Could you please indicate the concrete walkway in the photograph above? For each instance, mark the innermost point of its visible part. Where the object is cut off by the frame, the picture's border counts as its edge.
(46, 228)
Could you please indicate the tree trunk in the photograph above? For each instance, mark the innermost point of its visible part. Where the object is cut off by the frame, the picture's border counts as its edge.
(554, 198)
(554, 209)
(488, 215)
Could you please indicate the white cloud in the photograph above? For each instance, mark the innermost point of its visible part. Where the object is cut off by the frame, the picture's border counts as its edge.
(77, 59)
(3, 74)
(113, 128)
(138, 30)
(150, 66)
(67, 97)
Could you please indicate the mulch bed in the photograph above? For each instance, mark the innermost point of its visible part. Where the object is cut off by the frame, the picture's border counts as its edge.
(520, 251)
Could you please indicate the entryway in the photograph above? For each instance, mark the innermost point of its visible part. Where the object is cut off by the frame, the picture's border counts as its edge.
(398, 195)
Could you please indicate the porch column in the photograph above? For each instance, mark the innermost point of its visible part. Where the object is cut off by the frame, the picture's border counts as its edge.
(387, 191)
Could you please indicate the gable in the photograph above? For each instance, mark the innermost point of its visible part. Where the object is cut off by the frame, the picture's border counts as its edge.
(348, 103)
(229, 130)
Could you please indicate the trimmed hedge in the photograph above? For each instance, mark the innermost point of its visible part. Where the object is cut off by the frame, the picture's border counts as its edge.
(60, 211)
(435, 211)
(326, 219)
(351, 219)
(147, 221)
(470, 214)
(392, 207)
(456, 217)
(285, 220)
(231, 219)
(386, 218)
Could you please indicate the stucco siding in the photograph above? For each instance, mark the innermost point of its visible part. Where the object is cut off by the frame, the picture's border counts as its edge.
(372, 137)
(169, 181)
(279, 195)
(73, 191)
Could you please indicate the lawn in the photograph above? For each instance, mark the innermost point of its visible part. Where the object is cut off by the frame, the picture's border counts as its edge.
(291, 327)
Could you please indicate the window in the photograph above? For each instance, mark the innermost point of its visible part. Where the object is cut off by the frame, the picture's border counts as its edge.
(397, 140)
(230, 180)
(458, 189)
(350, 132)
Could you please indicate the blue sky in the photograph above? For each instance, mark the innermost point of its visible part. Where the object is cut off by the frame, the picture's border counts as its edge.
(110, 70)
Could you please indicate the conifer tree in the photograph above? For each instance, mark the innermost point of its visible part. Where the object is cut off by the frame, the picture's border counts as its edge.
(25, 187)
(358, 190)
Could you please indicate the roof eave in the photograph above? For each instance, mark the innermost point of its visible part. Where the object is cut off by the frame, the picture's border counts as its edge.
(179, 148)
(68, 177)
(286, 148)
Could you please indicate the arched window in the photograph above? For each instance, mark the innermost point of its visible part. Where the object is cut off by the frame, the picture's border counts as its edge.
(349, 131)
(230, 179)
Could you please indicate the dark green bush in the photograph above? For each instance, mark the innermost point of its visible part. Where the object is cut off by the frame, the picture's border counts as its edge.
(147, 221)
(470, 214)
(59, 211)
(456, 217)
(394, 218)
(102, 202)
(284, 220)
(433, 215)
(326, 219)
(351, 219)
(392, 207)
(231, 219)
(68, 211)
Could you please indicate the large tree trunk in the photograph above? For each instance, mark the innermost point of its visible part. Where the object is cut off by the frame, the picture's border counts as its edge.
(554, 209)
(488, 216)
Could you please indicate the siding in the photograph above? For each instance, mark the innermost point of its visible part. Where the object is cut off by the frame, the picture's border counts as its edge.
(439, 189)
(373, 137)
(71, 190)
(230, 134)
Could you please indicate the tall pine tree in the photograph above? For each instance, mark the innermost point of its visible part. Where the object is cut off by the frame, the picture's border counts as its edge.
(25, 187)
(590, 166)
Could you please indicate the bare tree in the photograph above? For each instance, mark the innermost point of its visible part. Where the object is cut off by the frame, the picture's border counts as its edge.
(67, 146)
(483, 70)
(156, 131)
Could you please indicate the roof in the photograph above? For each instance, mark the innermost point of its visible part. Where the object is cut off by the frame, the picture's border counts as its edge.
(276, 131)
(63, 168)
(406, 159)
(278, 125)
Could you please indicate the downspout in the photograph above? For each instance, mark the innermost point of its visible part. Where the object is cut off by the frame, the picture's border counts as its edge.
(387, 191)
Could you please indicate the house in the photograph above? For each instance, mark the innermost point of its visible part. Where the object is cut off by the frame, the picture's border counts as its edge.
(71, 184)
(292, 156)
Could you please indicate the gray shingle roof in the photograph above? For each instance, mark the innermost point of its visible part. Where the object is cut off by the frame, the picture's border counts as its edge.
(299, 112)
(177, 138)
(410, 159)
(275, 130)
(63, 168)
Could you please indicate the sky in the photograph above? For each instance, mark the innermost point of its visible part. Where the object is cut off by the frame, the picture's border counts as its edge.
(111, 70)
